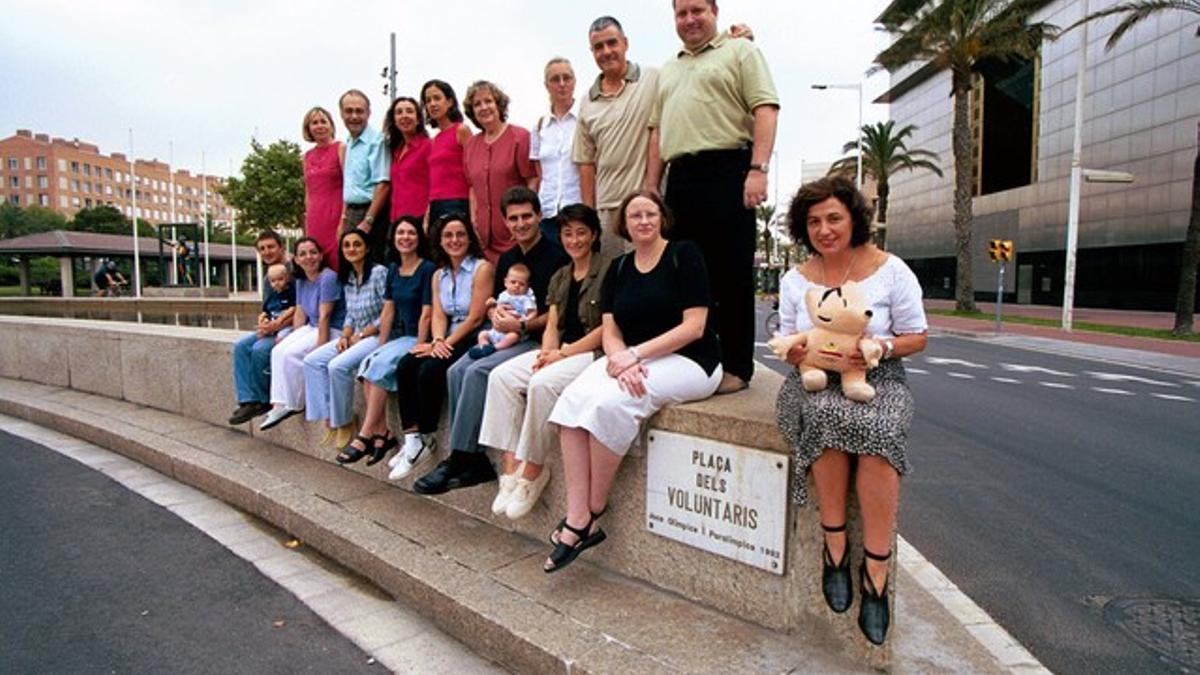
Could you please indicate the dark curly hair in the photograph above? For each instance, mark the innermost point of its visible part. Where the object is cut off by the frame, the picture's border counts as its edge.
(839, 188)
(665, 213)
(440, 257)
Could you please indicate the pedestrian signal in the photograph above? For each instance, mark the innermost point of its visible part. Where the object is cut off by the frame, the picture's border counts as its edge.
(1000, 250)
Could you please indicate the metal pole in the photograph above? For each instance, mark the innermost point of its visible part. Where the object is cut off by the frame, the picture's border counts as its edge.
(174, 236)
(204, 185)
(137, 259)
(1068, 308)
(392, 71)
(858, 177)
(999, 296)
(233, 235)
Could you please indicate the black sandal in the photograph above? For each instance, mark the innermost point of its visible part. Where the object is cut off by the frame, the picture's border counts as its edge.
(351, 454)
(378, 450)
(873, 613)
(563, 523)
(835, 579)
(564, 554)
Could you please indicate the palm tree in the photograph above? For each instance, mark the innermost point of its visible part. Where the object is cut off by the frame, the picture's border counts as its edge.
(1185, 295)
(957, 35)
(765, 213)
(884, 154)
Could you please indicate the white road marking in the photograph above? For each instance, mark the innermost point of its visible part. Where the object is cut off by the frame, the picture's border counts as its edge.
(962, 376)
(1172, 397)
(1108, 390)
(1193, 383)
(1018, 368)
(1118, 377)
(939, 361)
(1006, 380)
(771, 357)
(917, 371)
(1056, 385)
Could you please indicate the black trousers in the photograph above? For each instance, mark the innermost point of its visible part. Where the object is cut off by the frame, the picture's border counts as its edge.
(705, 193)
(422, 386)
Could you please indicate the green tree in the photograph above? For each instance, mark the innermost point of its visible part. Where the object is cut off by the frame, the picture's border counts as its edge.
(885, 153)
(270, 193)
(765, 214)
(956, 35)
(18, 222)
(1132, 14)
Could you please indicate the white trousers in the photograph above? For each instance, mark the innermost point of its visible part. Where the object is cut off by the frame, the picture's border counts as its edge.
(519, 402)
(287, 367)
(596, 403)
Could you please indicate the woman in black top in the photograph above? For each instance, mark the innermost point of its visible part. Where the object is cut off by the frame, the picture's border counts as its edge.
(659, 350)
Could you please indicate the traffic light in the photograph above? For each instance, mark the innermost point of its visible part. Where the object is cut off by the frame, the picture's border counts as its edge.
(1000, 250)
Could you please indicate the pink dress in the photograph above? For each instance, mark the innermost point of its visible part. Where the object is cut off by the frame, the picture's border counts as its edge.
(491, 169)
(446, 178)
(410, 179)
(323, 199)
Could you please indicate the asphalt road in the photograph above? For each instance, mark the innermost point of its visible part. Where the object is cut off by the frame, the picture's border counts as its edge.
(1060, 494)
(96, 579)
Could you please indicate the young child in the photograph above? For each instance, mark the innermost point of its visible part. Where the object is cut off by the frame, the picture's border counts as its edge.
(280, 304)
(518, 298)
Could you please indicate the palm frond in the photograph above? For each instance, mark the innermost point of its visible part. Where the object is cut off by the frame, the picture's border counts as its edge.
(1135, 13)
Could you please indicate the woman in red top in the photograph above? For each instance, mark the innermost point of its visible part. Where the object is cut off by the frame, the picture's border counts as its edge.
(323, 182)
(495, 160)
(404, 128)
(447, 181)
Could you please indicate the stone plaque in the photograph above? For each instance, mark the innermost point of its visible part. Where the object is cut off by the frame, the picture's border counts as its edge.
(725, 499)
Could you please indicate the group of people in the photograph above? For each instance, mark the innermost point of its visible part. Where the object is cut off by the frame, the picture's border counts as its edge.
(551, 288)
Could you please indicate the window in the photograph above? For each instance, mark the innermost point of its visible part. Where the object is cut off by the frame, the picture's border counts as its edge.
(41, 163)
(87, 202)
(15, 200)
(43, 182)
(28, 163)
(62, 201)
(28, 182)
(87, 187)
(108, 174)
(108, 189)
(74, 167)
(75, 185)
(12, 164)
(75, 202)
(87, 169)
(62, 165)
(14, 182)
(44, 200)
(120, 177)
(62, 182)
(1004, 109)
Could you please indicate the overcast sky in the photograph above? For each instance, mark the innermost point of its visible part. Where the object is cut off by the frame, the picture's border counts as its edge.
(210, 74)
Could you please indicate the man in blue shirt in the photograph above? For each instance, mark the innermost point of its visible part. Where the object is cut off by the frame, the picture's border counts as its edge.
(367, 174)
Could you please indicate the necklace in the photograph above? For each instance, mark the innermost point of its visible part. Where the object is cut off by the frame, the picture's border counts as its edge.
(845, 278)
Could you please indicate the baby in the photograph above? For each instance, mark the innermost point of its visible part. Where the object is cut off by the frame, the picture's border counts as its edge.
(280, 305)
(519, 299)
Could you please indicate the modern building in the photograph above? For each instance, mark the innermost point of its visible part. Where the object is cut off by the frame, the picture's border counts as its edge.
(69, 175)
(1140, 115)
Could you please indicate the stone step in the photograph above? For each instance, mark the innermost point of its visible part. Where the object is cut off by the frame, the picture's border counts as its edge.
(481, 584)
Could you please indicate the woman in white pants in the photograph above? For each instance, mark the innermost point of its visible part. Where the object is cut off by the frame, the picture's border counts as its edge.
(522, 391)
(659, 350)
(318, 305)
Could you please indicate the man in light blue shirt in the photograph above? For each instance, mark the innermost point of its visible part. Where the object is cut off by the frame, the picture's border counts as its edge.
(367, 173)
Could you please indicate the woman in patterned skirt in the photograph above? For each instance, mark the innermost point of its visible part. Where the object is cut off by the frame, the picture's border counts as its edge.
(836, 437)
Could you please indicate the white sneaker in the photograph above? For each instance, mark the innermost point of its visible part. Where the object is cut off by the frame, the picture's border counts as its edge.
(276, 416)
(424, 451)
(412, 442)
(526, 494)
(508, 481)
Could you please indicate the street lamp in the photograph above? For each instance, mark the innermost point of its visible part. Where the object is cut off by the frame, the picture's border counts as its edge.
(858, 130)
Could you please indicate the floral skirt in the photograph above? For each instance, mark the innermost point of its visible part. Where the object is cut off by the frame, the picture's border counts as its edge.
(812, 422)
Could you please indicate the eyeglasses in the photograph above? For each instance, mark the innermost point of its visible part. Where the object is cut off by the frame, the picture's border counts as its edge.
(560, 79)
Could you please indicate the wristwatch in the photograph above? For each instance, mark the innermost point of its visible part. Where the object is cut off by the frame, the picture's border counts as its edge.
(765, 168)
(888, 348)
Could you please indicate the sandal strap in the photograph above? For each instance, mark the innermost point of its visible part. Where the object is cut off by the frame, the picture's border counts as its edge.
(581, 532)
(596, 515)
(875, 556)
(833, 528)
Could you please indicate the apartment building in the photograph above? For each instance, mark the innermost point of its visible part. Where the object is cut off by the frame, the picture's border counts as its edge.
(69, 175)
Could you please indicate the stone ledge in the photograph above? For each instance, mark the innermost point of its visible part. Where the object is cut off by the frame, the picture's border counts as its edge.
(476, 582)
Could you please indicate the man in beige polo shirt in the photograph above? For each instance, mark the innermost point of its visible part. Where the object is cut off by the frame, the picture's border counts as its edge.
(714, 122)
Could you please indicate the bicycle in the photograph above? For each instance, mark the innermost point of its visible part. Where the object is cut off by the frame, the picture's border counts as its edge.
(771, 323)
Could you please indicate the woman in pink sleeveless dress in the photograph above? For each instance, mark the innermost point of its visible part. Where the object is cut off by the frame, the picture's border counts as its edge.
(448, 191)
(323, 182)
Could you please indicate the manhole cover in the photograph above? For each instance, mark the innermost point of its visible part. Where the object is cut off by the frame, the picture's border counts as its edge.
(1169, 628)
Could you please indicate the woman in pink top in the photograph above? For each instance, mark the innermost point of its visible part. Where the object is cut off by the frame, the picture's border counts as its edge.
(404, 128)
(447, 182)
(323, 182)
(495, 160)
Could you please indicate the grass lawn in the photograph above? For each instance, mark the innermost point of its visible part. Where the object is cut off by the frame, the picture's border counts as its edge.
(1134, 331)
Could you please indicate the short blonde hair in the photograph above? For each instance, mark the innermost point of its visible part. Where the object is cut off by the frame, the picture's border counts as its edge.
(308, 119)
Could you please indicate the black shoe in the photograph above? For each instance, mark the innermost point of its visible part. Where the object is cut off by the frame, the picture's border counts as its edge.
(564, 554)
(873, 613)
(459, 470)
(248, 411)
(381, 444)
(351, 454)
(835, 579)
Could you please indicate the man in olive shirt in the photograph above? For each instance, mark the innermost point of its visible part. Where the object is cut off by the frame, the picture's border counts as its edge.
(714, 122)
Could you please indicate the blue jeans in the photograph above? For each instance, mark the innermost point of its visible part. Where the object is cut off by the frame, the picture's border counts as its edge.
(467, 381)
(379, 368)
(329, 381)
(252, 368)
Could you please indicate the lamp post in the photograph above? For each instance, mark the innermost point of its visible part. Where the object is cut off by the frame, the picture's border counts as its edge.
(858, 130)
